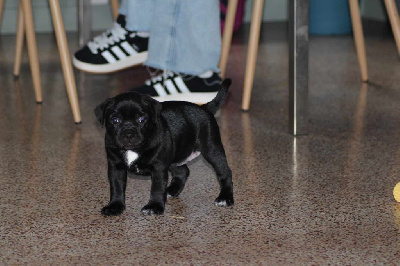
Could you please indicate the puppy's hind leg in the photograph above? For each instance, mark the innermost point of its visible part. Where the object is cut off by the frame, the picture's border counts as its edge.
(179, 177)
(215, 155)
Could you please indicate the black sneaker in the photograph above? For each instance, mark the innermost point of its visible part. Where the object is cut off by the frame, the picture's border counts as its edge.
(171, 86)
(113, 50)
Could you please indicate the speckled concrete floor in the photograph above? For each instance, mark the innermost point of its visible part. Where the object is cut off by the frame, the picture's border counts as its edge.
(325, 198)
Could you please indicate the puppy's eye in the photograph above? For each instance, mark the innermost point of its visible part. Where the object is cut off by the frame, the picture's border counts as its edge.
(142, 119)
(116, 120)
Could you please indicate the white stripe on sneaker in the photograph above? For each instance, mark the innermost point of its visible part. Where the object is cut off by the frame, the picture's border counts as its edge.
(194, 97)
(170, 87)
(118, 52)
(128, 48)
(130, 61)
(108, 56)
(181, 85)
(160, 90)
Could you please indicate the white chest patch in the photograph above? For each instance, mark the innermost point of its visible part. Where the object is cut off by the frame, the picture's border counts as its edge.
(130, 157)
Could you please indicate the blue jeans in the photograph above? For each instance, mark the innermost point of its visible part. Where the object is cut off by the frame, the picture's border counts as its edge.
(185, 35)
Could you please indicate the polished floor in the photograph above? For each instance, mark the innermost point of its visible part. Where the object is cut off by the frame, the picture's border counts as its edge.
(324, 198)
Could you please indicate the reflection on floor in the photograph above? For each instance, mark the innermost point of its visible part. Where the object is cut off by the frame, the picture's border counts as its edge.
(316, 199)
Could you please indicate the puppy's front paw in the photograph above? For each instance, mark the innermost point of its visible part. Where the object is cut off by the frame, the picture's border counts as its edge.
(224, 202)
(113, 209)
(153, 209)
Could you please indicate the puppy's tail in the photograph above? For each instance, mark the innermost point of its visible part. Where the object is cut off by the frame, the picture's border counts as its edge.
(219, 100)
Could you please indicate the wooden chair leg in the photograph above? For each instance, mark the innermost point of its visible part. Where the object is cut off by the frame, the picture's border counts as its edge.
(252, 53)
(359, 38)
(1, 11)
(19, 42)
(32, 48)
(114, 7)
(394, 21)
(227, 35)
(65, 59)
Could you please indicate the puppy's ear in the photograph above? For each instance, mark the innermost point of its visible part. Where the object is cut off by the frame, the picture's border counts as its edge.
(100, 110)
(155, 107)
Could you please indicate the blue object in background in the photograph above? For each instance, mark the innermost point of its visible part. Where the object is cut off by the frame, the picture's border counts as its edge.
(330, 17)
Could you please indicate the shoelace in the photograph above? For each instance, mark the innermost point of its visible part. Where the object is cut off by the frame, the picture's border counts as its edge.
(161, 78)
(113, 35)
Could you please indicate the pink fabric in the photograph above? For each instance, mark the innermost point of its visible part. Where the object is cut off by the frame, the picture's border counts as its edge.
(239, 15)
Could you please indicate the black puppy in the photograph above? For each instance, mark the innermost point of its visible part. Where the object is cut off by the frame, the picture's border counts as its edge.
(150, 137)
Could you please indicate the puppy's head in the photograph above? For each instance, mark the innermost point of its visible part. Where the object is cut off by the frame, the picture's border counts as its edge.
(130, 118)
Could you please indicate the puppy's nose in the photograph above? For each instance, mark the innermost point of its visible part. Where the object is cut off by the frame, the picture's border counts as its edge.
(129, 136)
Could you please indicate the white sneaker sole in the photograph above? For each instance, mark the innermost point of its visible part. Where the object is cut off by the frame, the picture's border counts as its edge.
(130, 61)
(193, 97)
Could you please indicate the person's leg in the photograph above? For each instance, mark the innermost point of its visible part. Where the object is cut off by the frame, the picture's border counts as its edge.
(185, 44)
(138, 13)
(124, 45)
(186, 36)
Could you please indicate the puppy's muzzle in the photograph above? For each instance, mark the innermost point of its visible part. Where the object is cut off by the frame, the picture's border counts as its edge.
(130, 138)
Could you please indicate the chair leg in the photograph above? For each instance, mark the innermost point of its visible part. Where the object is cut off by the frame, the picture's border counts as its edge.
(114, 7)
(252, 53)
(65, 59)
(1, 11)
(394, 21)
(359, 38)
(32, 48)
(19, 42)
(227, 36)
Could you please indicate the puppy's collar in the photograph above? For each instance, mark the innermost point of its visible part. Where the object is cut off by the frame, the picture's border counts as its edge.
(131, 157)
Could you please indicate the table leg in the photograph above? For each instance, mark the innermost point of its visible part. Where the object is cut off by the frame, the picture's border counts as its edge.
(84, 21)
(298, 66)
